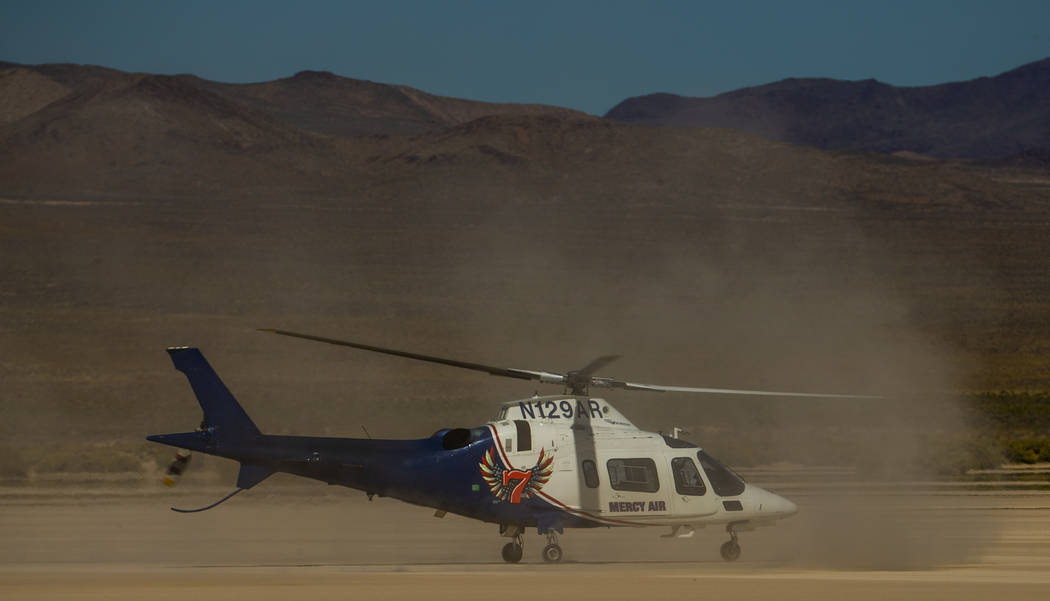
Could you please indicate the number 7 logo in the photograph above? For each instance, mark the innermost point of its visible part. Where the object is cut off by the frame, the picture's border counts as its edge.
(523, 478)
(526, 483)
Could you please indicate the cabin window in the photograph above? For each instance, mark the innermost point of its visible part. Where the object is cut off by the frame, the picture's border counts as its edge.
(635, 475)
(723, 480)
(687, 480)
(524, 435)
(590, 473)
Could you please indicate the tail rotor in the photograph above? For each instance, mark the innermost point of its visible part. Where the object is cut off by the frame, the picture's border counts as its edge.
(178, 466)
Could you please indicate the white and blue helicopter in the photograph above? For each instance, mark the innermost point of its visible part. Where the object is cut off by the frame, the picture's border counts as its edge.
(546, 462)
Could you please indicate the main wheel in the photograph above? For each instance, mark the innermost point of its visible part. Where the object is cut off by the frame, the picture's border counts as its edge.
(730, 550)
(552, 553)
(512, 553)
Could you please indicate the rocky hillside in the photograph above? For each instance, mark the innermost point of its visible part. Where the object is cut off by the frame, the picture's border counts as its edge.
(149, 133)
(322, 102)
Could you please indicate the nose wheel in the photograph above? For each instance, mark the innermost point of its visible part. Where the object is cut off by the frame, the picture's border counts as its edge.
(731, 548)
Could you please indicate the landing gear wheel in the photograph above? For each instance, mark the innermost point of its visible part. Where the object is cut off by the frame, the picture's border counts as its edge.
(512, 552)
(552, 552)
(730, 550)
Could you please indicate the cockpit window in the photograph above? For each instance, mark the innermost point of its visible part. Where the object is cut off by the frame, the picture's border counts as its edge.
(723, 480)
(687, 480)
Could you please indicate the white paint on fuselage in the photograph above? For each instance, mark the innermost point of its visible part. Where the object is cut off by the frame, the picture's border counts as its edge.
(579, 429)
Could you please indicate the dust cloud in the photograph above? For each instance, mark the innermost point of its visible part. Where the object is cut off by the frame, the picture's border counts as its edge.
(902, 529)
(714, 297)
(810, 306)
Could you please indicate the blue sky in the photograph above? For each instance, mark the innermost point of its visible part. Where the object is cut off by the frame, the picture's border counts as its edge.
(585, 55)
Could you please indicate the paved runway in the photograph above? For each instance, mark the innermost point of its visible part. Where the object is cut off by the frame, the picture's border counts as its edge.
(309, 542)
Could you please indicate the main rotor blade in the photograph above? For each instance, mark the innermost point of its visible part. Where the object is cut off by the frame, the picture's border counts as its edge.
(581, 378)
(824, 395)
(597, 364)
(520, 374)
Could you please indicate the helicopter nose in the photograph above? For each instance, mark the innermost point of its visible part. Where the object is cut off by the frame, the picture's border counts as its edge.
(787, 507)
(771, 503)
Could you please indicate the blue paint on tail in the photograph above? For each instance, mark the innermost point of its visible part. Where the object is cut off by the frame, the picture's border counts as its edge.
(223, 415)
(252, 474)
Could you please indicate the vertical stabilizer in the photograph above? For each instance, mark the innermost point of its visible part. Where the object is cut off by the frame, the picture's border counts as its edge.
(222, 412)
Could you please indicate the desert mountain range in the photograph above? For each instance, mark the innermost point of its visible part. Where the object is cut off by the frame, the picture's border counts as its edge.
(989, 117)
(93, 131)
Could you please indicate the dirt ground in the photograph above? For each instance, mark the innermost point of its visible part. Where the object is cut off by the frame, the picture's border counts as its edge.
(313, 542)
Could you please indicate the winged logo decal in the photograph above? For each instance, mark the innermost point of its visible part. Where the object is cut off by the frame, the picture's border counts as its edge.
(514, 484)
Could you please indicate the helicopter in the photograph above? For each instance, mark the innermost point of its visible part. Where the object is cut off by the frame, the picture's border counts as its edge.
(546, 462)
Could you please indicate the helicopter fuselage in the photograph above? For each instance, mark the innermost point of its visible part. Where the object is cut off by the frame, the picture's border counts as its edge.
(546, 462)
(550, 463)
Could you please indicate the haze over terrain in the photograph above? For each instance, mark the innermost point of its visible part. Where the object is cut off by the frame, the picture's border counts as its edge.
(141, 211)
(990, 117)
